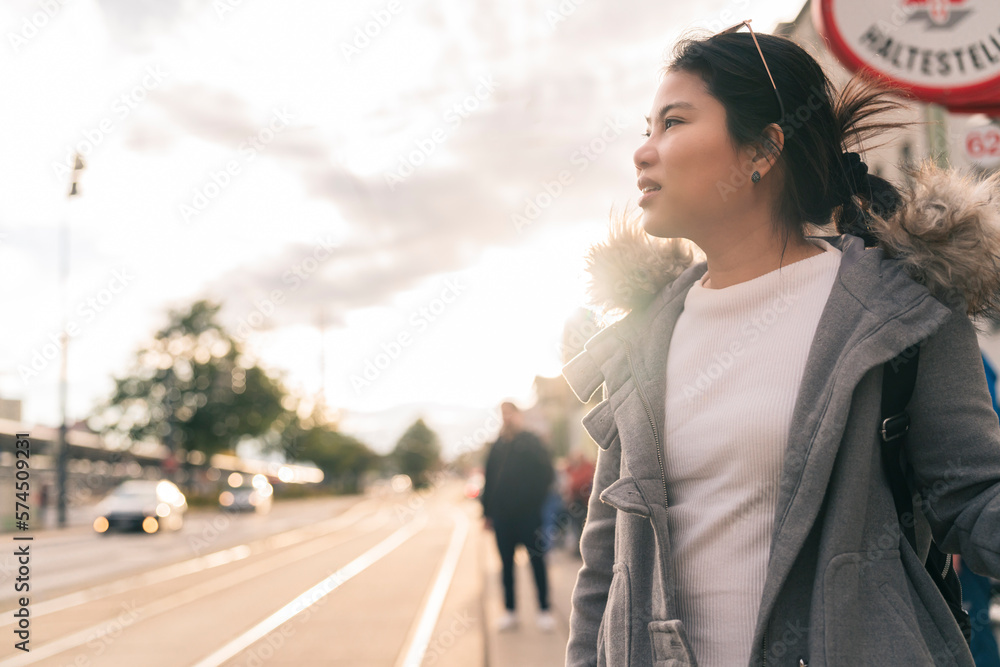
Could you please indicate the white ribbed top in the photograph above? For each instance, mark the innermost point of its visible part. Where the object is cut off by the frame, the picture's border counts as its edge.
(736, 360)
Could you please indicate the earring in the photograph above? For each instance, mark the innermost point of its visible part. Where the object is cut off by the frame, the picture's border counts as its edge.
(755, 176)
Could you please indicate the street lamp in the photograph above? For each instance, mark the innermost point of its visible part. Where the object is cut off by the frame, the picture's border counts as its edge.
(78, 167)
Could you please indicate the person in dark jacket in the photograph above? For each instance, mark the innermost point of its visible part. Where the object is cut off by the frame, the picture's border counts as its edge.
(518, 475)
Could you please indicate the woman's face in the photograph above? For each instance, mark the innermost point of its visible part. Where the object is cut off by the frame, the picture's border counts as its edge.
(688, 169)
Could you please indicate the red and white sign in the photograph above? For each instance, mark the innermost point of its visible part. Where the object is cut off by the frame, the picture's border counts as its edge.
(942, 51)
(982, 145)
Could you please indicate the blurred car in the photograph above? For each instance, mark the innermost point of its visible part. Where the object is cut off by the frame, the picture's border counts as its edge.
(255, 495)
(400, 483)
(144, 505)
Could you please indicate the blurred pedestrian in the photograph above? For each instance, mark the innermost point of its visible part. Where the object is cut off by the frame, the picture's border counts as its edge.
(43, 504)
(977, 589)
(554, 512)
(518, 475)
(579, 479)
(976, 601)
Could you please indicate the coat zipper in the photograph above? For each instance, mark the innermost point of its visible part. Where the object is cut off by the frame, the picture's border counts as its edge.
(659, 454)
(652, 422)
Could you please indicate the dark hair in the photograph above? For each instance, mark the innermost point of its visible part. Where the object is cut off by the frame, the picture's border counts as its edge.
(818, 125)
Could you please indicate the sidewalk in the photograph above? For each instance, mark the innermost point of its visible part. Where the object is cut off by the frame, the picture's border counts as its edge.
(527, 646)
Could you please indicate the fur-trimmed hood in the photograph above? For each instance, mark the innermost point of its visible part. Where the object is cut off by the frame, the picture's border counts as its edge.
(946, 233)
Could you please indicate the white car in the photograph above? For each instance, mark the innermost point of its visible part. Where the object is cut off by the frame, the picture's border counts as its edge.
(149, 506)
(254, 495)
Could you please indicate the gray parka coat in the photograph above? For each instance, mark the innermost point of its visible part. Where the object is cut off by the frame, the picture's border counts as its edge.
(843, 587)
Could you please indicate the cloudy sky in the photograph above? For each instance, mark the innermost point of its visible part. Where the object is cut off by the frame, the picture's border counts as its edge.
(369, 165)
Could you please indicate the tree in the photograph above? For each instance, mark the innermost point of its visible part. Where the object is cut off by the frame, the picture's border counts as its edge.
(417, 453)
(193, 388)
(342, 459)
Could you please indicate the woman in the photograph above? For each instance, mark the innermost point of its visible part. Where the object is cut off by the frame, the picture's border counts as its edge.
(739, 512)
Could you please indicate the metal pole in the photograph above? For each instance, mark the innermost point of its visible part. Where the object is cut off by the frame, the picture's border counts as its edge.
(322, 360)
(61, 459)
(64, 340)
(937, 134)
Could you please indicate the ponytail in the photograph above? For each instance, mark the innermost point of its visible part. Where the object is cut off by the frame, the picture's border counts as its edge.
(863, 195)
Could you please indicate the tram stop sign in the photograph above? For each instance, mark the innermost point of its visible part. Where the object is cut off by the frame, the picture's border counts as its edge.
(942, 51)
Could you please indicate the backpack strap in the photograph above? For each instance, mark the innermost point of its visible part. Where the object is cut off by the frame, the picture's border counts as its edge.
(898, 379)
(899, 375)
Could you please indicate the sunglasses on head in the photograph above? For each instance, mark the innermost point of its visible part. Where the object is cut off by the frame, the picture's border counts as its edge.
(766, 68)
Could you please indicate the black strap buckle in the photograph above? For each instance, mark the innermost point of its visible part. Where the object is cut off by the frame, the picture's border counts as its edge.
(895, 426)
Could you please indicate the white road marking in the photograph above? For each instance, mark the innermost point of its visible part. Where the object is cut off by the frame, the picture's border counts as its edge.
(190, 566)
(168, 603)
(314, 594)
(432, 610)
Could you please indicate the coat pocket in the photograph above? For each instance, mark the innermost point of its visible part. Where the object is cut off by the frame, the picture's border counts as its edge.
(670, 644)
(617, 623)
(869, 612)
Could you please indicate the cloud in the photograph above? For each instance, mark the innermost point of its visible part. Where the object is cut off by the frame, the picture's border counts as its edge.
(438, 218)
(223, 117)
(146, 137)
(135, 23)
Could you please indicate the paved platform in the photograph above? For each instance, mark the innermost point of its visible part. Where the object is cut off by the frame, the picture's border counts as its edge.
(526, 646)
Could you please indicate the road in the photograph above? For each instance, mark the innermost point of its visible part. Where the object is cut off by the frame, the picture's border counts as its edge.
(392, 580)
